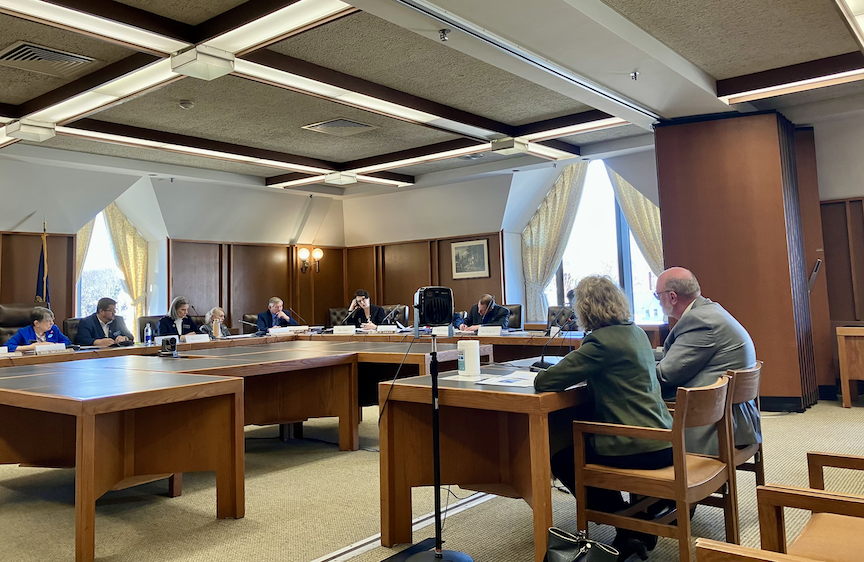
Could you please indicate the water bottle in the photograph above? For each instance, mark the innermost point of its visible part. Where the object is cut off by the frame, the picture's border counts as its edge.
(148, 335)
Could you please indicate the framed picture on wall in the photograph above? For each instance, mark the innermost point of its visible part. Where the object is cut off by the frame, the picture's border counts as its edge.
(470, 259)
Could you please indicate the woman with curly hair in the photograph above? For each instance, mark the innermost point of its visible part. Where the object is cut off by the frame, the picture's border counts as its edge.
(617, 362)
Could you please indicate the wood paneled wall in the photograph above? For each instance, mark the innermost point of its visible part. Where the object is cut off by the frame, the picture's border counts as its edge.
(318, 291)
(811, 226)
(730, 212)
(19, 268)
(843, 231)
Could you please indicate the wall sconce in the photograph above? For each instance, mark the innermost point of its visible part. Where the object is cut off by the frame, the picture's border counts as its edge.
(304, 254)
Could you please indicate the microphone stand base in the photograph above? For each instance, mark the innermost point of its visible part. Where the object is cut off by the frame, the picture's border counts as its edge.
(446, 556)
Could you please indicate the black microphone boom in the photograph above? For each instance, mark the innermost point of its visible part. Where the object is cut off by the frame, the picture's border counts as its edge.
(391, 313)
(294, 312)
(349, 315)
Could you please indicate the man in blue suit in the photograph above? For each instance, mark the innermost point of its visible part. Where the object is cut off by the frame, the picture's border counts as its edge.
(103, 328)
(274, 317)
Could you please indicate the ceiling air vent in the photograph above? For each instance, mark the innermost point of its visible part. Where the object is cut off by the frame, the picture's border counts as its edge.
(340, 127)
(44, 60)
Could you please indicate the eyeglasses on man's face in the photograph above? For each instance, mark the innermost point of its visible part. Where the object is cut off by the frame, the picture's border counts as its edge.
(658, 293)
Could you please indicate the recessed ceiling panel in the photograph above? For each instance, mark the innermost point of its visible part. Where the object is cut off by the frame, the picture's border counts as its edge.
(244, 112)
(613, 133)
(153, 155)
(736, 37)
(368, 47)
(192, 12)
(19, 86)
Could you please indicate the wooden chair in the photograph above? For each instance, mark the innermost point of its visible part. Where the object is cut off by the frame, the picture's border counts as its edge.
(715, 551)
(691, 478)
(746, 388)
(835, 531)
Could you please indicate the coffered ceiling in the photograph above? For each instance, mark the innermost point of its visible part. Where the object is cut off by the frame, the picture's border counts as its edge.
(576, 76)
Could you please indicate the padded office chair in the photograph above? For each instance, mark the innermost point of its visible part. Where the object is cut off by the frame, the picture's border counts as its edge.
(13, 317)
(246, 328)
(70, 328)
(515, 320)
(142, 323)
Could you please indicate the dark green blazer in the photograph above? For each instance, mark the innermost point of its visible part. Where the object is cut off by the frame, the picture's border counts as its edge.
(618, 363)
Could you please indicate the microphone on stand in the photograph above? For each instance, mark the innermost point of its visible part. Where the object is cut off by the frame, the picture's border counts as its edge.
(349, 315)
(542, 364)
(257, 331)
(294, 312)
(391, 313)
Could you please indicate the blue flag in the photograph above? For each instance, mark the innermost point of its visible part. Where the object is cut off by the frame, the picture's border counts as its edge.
(42, 294)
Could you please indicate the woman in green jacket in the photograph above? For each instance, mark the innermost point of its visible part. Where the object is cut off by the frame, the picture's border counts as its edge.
(617, 362)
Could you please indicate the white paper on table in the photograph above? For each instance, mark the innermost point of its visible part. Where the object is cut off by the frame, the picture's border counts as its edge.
(466, 378)
(522, 379)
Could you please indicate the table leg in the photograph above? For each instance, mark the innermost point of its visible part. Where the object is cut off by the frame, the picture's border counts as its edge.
(541, 478)
(349, 417)
(230, 491)
(845, 387)
(395, 491)
(85, 489)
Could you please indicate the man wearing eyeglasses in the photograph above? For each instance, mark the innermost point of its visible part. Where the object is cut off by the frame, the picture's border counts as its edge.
(704, 343)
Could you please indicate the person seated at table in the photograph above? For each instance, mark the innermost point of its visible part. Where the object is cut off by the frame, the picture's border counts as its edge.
(617, 361)
(485, 313)
(362, 313)
(274, 316)
(214, 324)
(41, 331)
(567, 316)
(103, 328)
(177, 322)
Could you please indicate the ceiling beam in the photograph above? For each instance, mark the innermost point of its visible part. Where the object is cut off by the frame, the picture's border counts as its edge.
(790, 74)
(9, 110)
(311, 71)
(195, 142)
(561, 122)
(294, 176)
(88, 82)
(129, 15)
(561, 145)
(418, 152)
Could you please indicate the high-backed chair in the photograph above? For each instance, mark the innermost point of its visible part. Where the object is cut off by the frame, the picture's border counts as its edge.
(70, 328)
(691, 478)
(558, 316)
(335, 316)
(13, 317)
(746, 385)
(515, 320)
(246, 328)
(142, 323)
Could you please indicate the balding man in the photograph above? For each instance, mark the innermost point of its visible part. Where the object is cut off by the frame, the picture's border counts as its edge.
(485, 313)
(705, 342)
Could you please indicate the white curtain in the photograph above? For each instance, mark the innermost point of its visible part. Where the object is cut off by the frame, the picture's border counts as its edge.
(546, 237)
(643, 218)
(82, 245)
(130, 250)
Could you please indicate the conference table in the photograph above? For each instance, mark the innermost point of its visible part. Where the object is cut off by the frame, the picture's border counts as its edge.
(122, 427)
(494, 439)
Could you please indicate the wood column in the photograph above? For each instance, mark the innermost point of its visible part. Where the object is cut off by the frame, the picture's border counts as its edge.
(730, 210)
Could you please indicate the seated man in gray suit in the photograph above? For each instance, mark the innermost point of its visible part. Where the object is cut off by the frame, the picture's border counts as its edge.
(705, 342)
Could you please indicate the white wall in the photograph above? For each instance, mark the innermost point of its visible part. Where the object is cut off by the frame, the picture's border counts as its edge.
(839, 162)
(640, 169)
(471, 207)
(67, 198)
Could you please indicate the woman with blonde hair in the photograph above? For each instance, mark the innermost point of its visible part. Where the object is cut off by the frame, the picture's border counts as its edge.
(214, 324)
(617, 362)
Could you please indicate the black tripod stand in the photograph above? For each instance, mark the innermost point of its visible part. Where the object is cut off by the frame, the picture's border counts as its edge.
(437, 555)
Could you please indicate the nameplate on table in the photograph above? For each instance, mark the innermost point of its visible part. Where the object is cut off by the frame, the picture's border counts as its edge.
(197, 338)
(3, 350)
(159, 339)
(489, 331)
(387, 328)
(52, 348)
(297, 329)
(281, 331)
(343, 330)
(554, 331)
(441, 331)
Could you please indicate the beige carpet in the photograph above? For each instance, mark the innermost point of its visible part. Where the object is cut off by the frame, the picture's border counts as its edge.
(305, 499)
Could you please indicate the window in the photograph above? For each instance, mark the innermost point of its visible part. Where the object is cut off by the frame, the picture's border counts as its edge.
(601, 244)
(101, 276)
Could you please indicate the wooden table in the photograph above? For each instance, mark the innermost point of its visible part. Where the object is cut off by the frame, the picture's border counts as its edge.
(850, 353)
(119, 426)
(493, 439)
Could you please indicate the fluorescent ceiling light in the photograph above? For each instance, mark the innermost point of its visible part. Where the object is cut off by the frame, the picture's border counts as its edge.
(548, 152)
(382, 181)
(31, 130)
(280, 22)
(421, 159)
(340, 178)
(203, 62)
(55, 15)
(853, 11)
(511, 146)
(191, 150)
(573, 129)
(792, 87)
(5, 140)
(127, 85)
(295, 183)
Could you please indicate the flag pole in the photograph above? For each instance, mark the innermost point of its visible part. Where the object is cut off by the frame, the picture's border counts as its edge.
(45, 259)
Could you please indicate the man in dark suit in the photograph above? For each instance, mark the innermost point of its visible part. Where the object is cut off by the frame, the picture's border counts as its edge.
(104, 328)
(705, 343)
(274, 316)
(486, 313)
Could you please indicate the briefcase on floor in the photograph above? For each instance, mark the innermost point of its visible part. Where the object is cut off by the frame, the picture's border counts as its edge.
(567, 547)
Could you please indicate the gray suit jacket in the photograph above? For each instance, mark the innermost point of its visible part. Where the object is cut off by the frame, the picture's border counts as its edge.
(704, 344)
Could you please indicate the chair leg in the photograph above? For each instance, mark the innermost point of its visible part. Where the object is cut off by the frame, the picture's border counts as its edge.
(760, 467)
(581, 495)
(684, 554)
(730, 514)
(175, 485)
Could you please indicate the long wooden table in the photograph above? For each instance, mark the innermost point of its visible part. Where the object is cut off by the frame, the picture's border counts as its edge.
(493, 439)
(850, 353)
(119, 426)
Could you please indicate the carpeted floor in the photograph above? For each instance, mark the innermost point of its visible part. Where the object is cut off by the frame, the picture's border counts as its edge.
(305, 499)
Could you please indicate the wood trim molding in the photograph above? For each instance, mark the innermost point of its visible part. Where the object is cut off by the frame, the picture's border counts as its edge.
(792, 73)
(563, 121)
(418, 152)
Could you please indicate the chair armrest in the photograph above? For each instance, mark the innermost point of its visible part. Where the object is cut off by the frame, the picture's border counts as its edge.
(816, 462)
(714, 551)
(818, 501)
(623, 430)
